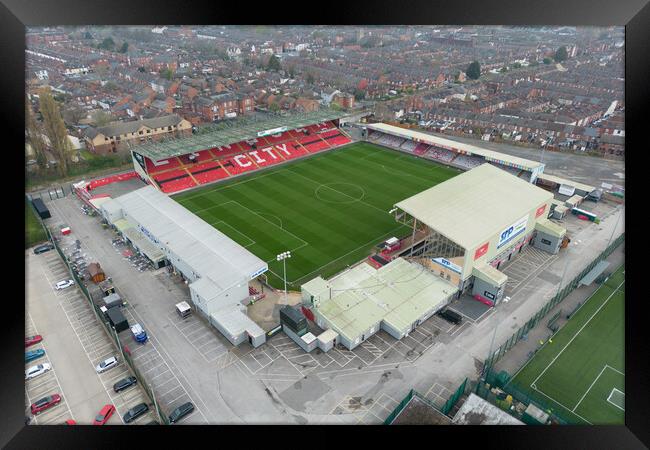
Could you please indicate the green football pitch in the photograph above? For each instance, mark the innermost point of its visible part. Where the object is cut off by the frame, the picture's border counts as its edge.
(580, 374)
(329, 210)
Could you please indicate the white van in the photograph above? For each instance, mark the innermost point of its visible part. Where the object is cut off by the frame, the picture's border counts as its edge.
(183, 309)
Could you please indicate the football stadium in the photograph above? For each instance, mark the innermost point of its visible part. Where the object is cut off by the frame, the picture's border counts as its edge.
(383, 230)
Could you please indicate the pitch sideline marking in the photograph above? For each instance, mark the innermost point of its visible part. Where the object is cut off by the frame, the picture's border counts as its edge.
(252, 241)
(579, 331)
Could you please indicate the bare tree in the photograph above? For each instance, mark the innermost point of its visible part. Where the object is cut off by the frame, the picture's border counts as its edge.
(55, 130)
(34, 136)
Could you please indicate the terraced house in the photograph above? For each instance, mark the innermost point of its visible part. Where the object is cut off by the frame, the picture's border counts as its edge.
(117, 136)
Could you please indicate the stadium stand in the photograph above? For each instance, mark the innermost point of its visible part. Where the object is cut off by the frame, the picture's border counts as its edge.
(316, 146)
(469, 162)
(409, 145)
(170, 175)
(336, 141)
(421, 149)
(238, 164)
(290, 150)
(176, 185)
(265, 157)
(391, 141)
(208, 175)
(441, 154)
(166, 164)
(221, 152)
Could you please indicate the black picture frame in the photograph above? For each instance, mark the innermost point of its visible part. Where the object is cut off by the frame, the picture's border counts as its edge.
(634, 15)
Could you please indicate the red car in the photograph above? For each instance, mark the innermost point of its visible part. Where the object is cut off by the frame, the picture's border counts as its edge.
(70, 422)
(31, 340)
(45, 403)
(105, 414)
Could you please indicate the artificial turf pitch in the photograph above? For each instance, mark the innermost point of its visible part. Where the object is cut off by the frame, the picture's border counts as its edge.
(580, 375)
(329, 210)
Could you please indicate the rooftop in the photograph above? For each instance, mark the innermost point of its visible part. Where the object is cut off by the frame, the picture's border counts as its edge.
(229, 132)
(475, 205)
(458, 147)
(476, 411)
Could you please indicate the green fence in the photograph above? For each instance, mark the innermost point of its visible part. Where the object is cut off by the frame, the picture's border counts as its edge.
(449, 404)
(399, 408)
(552, 303)
(110, 331)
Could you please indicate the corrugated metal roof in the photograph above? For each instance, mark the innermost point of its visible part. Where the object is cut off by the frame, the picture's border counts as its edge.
(210, 253)
(399, 293)
(558, 180)
(473, 206)
(489, 155)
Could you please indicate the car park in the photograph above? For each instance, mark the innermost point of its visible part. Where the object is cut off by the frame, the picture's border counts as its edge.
(108, 363)
(43, 248)
(105, 414)
(135, 412)
(180, 412)
(63, 284)
(125, 383)
(45, 403)
(35, 371)
(34, 354)
(31, 340)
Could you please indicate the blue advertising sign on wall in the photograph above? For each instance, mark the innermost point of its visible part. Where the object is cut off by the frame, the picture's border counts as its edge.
(512, 231)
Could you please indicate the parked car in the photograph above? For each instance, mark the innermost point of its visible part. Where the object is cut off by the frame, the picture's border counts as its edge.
(138, 333)
(45, 403)
(63, 284)
(105, 414)
(35, 371)
(31, 340)
(125, 383)
(108, 363)
(69, 422)
(181, 412)
(135, 412)
(43, 248)
(34, 354)
(451, 316)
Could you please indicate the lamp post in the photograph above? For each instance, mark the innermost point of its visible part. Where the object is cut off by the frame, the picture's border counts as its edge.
(283, 257)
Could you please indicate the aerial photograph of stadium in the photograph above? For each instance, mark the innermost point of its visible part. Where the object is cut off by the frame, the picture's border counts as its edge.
(363, 225)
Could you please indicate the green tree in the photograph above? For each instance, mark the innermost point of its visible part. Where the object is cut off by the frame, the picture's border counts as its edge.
(310, 78)
(141, 69)
(107, 44)
(473, 71)
(516, 65)
(88, 35)
(359, 94)
(547, 60)
(101, 118)
(55, 130)
(274, 107)
(292, 71)
(274, 63)
(34, 135)
(124, 48)
(503, 69)
(167, 73)
(561, 54)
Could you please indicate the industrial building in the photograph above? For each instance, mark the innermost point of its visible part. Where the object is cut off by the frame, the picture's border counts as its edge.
(474, 223)
(358, 303)
(216, 268)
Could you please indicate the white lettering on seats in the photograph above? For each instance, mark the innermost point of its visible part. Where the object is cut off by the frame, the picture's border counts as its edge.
(270, 152)
(283, 147)
(238, 160)
(257, 158)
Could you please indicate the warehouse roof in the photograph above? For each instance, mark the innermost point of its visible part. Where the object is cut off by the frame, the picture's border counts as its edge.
(211, 254)
(229, 132)
(398, 293)
(475, 205)
(459, 147)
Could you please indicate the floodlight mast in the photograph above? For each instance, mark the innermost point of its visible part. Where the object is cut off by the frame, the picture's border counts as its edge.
(283, 257)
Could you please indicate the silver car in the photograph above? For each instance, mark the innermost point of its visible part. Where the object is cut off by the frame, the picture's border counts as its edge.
(108, 363)
(35, 371)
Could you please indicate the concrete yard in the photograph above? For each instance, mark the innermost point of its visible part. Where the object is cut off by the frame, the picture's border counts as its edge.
(187, 359)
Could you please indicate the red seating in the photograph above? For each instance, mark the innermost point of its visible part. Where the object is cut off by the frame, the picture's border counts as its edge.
(170, 175)
(204, 155)
(152, 168)
(204, 166)
(223, 152)
(289, 150)
(421, 149)
(238, 164)
(339, 140)
(274, 140)
(265, 157)
(295, 134)
(177, 185)
(211, 175)
(243, 145)
(329, 133)
(317, 146)
(309, 139)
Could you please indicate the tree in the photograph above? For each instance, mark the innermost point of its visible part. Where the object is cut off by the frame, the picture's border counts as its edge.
(73, 114)
(292, 71)
(34, 135)
(547, 60)
(141, 69)
(88, 35)
(274, 107)
(473, 71)
(107, 44)
(124, 48)
(274, 63)
(359, 94)
(55, 130)
(101, 118)
(561, 54)
(310, 78)
(503, 69)
(516, 65)
(167, 73)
